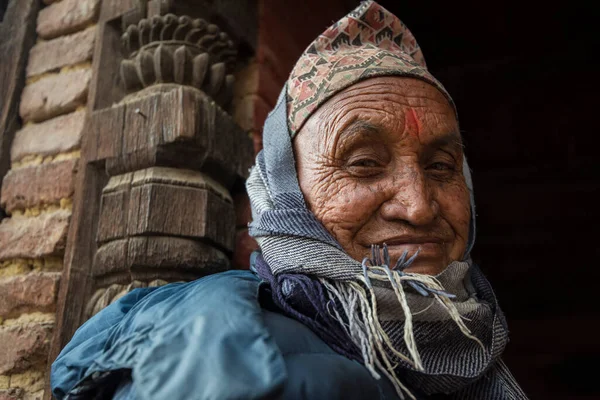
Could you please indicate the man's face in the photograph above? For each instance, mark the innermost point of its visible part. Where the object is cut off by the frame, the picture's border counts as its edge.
(381, 162)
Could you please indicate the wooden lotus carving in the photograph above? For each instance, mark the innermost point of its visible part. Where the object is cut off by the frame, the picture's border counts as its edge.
(181, 50)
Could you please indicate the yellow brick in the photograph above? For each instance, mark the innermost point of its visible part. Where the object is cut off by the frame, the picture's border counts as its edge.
(4, 381)
(66, 203)
(31, 381)
(28, 160)
(34, 159)
(14, 267)
(74, 67)
(67, 156)
(39, 395)
(34, 317)
(36, 78)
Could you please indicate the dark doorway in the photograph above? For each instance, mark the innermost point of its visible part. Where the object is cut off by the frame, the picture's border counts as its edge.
(525, 85)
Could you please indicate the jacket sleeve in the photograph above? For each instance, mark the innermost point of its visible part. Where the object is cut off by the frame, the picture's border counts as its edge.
(204, 339)
(88, 343)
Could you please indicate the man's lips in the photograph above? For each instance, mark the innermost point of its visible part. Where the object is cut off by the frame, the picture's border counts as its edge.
(403, 241)
(409, 241)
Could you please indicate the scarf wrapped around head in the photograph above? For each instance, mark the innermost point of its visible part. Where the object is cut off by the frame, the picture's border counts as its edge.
(427, 335)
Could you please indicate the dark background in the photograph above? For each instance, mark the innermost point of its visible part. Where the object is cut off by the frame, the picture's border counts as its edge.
(526, 88)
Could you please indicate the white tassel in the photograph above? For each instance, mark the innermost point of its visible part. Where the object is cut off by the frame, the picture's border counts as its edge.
(364, 328)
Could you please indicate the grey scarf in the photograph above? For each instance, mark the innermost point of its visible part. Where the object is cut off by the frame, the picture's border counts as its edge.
(427, 335)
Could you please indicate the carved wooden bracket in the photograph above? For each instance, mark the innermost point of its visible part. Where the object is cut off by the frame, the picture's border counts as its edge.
(181, 50)
(160, 156)
(192, 214)
(173, 126)
(166, 212)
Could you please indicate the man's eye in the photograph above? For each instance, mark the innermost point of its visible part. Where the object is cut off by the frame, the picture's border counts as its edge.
(364, 162)
(440, 166)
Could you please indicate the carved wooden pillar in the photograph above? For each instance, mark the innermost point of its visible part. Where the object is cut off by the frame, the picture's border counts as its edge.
(161, 156)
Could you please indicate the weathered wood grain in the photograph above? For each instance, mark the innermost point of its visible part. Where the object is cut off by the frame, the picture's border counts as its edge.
(147, 258)
(111, 262)
(113, 216)
(181, 211)
(106, 127)
(174, 126)
(17, 36)
(76, 285)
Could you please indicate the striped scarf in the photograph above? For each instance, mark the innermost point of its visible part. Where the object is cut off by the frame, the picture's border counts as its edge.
(427, 335)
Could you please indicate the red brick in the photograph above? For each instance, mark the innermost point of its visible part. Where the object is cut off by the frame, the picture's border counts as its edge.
(243, 113)
(55, 95)
(257, 141)
(250, 112)
(269, 86)
(23, 346)
(12, 394)
(244, 246)
(261, 110)
(41, 184)
(246, 81)
(56, 135)
(35, 291)
(66, 16)
(35, 237)
(60, 52)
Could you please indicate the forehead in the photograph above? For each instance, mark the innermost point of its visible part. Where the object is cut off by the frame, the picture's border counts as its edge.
(395, 105)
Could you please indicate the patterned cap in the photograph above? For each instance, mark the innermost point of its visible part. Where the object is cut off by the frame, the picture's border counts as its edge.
(368, 42)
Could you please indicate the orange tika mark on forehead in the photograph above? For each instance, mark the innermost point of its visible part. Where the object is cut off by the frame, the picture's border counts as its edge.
(412, 124)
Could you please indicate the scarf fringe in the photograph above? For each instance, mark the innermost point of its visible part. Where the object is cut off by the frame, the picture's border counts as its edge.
(361, 322)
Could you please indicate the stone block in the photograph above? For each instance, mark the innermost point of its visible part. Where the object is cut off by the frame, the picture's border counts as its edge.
(36, 185)
(23, 346)
(56, 135)
(60, 52)
(55, 94)
(35, 237)
(27, 293)
(66, 16)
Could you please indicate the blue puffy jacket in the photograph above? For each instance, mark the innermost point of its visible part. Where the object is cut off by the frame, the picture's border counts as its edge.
(206, 339)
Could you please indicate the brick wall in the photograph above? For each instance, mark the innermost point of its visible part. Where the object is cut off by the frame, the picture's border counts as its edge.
(38, 189)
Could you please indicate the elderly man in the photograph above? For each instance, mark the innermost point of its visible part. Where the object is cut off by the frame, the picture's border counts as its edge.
(363, 288)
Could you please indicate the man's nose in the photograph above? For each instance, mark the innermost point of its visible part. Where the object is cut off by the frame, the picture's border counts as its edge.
(412, 201)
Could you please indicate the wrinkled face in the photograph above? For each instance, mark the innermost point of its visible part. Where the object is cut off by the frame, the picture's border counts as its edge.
(381, 162)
